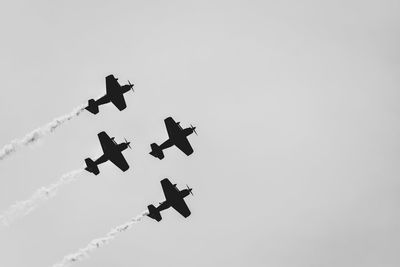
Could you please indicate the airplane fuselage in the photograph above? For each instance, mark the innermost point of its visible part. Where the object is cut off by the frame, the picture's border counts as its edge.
(107, 97)
(125, 88)
(122, 146)
(185, 192)
(167, 204)
(171, 141)
(108, 154)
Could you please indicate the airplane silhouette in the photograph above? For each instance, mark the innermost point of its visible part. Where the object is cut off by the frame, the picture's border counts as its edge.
(114, 93)
(177, 137)
(112, 152)
(173, 198)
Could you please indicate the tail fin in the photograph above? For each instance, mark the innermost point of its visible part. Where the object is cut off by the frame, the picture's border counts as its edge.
(156, 151)
(92, 106)
(92, 166)
(154, 213)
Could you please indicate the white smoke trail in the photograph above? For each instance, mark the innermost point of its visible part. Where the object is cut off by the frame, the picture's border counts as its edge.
(38, 133)
(84, 253)
(22, 208)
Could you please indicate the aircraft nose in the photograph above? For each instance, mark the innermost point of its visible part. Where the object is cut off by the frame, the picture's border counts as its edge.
(131, 85)
(193, 129)
(189, 190)
(127, 143)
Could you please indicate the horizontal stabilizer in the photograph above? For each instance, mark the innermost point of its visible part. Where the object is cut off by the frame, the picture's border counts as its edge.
(92, 106)
(154, 213)
(91, 166)
(156, 151)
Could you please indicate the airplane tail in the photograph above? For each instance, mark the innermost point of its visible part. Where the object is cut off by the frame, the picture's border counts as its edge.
(156, 151)
(92, 106)
(91, 166)
(154, 213)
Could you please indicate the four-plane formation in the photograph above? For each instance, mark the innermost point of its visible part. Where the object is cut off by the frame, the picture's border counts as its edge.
(113, 152)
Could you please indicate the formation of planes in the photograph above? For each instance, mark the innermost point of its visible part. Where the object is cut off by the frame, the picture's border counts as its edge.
(112, 151)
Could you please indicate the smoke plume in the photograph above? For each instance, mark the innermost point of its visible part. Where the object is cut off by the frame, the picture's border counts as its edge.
(84, 253)
(22, 208)
(38, 133)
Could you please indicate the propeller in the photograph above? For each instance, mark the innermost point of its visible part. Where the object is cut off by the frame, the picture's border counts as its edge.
(193, 128)
(127, 143)
(190, 190)
(131, 85)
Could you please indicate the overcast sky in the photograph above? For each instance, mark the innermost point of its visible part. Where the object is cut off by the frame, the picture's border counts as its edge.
(296, 106)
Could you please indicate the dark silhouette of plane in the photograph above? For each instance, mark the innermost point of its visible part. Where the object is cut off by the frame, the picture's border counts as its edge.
(177, 137)
(112, 152)
(173, 198)
(114, 93)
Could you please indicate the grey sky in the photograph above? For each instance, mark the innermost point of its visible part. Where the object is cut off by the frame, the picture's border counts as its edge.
(296, 103)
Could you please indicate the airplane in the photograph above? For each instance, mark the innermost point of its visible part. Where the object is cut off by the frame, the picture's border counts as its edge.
(111, 151)
(177, 137)
(114, 93)
(173, 198)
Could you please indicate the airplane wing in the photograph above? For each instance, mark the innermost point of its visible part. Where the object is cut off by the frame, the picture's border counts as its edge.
(109, 148)
(184, 145)
(173, 197)
(173, 128)
(112, 85)
(114, 92)
(182, 208)
(119, 101)
(119, 161)
(106, 143)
